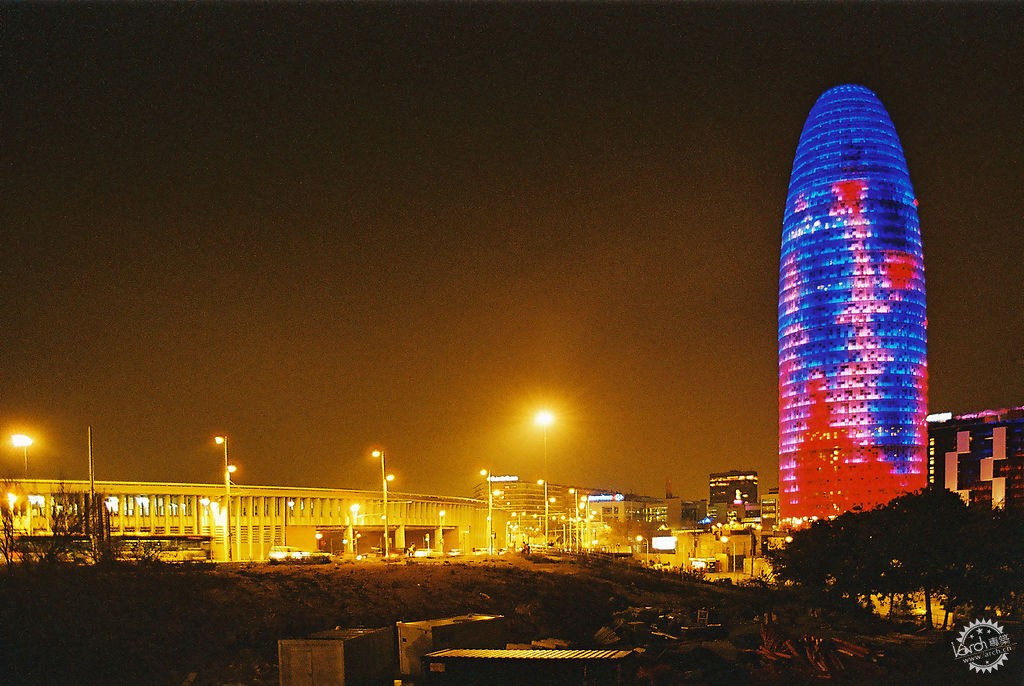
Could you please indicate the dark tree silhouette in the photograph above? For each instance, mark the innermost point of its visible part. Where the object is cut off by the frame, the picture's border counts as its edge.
(928, 542)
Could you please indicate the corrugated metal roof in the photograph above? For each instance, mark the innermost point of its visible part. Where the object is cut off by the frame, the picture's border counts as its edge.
(342, 634)
(486, 654)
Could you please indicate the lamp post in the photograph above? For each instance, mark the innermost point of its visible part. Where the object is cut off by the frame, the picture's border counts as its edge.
(440, 531)
(228, 469)
(544, 419)
(384, 478)
(490, 511)
(571, 514)
(22, 441)
(289, 504)
(585, 523)
(647, 547)
(544, 482)
(732, 557)
(352, 523)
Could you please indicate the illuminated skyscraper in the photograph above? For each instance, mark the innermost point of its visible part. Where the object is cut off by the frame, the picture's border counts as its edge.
(852, 360)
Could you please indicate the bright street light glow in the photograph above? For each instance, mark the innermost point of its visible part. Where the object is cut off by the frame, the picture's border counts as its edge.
(544, 418)
(22, 441)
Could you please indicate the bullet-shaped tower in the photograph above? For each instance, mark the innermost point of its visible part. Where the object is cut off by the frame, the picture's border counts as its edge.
(852, 324)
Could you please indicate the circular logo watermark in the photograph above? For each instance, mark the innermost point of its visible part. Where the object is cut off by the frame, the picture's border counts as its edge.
(982, 645)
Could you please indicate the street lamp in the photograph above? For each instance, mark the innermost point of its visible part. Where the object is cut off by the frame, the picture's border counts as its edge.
(228, 471)
(572, 519)
(732, 558)
(544, 419)
(490, 511)
(440, 531)
(544, 482)
(352, 523)
(22, 441)
(384, 479)
(647, 547)
(585, 517)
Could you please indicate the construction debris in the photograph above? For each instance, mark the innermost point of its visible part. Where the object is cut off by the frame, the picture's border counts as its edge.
(823, 657)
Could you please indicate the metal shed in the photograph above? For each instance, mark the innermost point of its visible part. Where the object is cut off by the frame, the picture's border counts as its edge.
(468, 667)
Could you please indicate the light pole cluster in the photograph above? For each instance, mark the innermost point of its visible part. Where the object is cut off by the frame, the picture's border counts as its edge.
(543, 419)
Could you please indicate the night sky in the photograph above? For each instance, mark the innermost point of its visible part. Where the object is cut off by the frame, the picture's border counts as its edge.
(327, 228)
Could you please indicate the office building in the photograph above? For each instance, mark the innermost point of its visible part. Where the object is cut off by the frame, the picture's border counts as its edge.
(732, 495)
(979, 455)
(852, 357)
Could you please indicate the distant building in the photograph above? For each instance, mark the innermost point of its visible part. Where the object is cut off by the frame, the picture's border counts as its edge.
(685, 514)
(202, 520)
(732, 495)
(770, 510)
(979, 455)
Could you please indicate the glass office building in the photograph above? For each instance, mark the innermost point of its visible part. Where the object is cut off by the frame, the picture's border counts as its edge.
(852, 358)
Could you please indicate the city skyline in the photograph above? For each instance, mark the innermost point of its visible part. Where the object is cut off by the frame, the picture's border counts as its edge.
(321, 230)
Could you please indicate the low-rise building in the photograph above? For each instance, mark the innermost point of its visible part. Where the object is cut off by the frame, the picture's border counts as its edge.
(979, 455)
(245, 523)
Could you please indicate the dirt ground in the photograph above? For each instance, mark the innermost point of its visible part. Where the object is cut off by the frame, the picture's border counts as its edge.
(196, 626)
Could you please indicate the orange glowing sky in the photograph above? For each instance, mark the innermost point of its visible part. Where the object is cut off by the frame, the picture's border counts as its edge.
(321, 229)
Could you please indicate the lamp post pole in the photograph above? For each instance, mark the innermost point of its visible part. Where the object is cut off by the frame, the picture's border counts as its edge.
(384, 484)
(647, 550)
(732, 557)
(440, 532)
(544, 419)
(490, 511)
(223, 440)
(353, 522)
(546, 514)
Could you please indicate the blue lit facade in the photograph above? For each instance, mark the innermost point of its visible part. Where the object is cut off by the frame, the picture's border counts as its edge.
(852, 320)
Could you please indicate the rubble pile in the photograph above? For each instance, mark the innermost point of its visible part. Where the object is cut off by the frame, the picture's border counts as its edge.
(644, 626)
(822, 657)
(688, 646)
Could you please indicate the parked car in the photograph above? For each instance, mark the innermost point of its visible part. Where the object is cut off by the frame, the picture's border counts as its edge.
(290, 554)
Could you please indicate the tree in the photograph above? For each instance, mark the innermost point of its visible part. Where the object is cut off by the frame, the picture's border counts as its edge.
(927, 530)
(927, 541)
(67, 526)
(7, 539)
